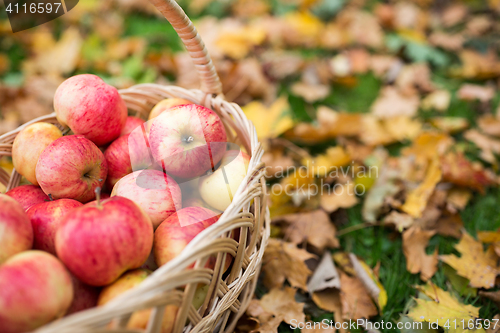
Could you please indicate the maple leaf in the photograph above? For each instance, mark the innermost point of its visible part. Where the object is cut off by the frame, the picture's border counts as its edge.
(356, 303)
(415, 240)
(480, 267)
(274, 307)
(314, 227)
(417, 199)
(345, 198)
(277, 117)
(284, 261)
(442, 308)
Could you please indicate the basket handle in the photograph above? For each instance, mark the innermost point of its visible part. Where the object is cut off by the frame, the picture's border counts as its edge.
(210, 82)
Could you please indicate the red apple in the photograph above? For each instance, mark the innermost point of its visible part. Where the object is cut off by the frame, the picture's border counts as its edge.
(35, 288)
(91, 108)
(16, 234)
(85, 296)
(127, 154)
(165, 105)
(101, 240)
(175, 233)
(131, 124)
(188, 140)
(218, 188)
(154, 191)
(46, 218)
(71, 167)
(28, 195)
(139, 319)
(29, 144)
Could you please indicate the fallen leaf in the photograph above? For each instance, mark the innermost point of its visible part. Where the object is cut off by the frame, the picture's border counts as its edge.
(449, 226)
(277, 116)
(453, 14)
(478, 25)
(284, 261)
(450, 42)
(333, 158)
(459, 283)
(343, 261)
(477, 65)
(470, 92)
(416, 200)
(237, 43)
(438, 100)
(493, 295)
(442, 308)
(474, 264)
(414, 78)
(314, 227)
(329, 300)
(402, 128)
(356, 303)
(450, 125)
(457, 169)
(339, 196)
(361, 27)
(494, 328)
(488, 145)
(392, 103)
(489, 125)
(302, 29)
(310, 92)
(415, 240)
(458, 198)
(490, 237)
(317, 327)
(370, 281)
(325, 276)
(400, 220)
(384, 187)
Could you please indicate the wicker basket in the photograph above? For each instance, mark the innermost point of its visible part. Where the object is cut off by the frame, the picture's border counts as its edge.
(175, 283)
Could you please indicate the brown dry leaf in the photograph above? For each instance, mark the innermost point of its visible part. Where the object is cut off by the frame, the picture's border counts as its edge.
(493, 295)
(60, 58)
(402, 127)
(449, 226)
(446, 41)
(400, 220)
(392, 103)
(328, 163)
(250, 8)
(374, 132)
(361, 27)
(477, 65)
(415, 240)
(450, 125)
(457, 169)
(381, 64)
(470, 92)
(359, 60)
(454, 14)
(413, 77)
(384, 188)
(281, 64)
(480, 267)
(493, 328)
(276, 162)
(284, 261)
(339, 196)
(438, 100)
(417, 200)
(488, 145)
(356, 303)
(311, 92)
(478, 25)
(371, 282)
(428, 145)
(490, 237)
(458, 198)
(489, 125)
(314, 227)
(274, 307)
(328, 300)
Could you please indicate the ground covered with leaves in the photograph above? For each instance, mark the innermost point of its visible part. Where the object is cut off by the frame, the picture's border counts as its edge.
(381, 123)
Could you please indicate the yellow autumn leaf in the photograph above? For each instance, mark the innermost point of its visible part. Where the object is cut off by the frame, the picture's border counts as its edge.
(480, 267)
(443, 309)
(237, 44)
(382, 296)
(271, 121)
(306, 28)
(334, 157)
(417, 199)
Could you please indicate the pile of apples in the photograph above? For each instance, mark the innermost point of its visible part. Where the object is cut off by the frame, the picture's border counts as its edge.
(108, 202)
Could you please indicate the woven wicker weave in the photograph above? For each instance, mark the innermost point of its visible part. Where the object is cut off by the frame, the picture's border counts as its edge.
(175, 283)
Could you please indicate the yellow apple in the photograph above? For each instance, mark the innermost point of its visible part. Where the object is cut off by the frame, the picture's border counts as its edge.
(218, 188)
(28, 146)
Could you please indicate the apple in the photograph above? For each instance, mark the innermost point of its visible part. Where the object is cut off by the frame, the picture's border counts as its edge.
(188, 140)
(218, 188)
(154, 191)
(175, 233)
(131, 124)
(139, 319)
(29, 144)
(91, 108)
(101, 240)
(35, 288)
(127, 154)
(71, 167)
(85, 296)
(16, 233)
(164, 105)
(46, 218)
(28, 195)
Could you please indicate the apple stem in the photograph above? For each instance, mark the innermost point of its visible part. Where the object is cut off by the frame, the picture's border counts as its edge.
(50, 197)
(98, 196)
(189, 139)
